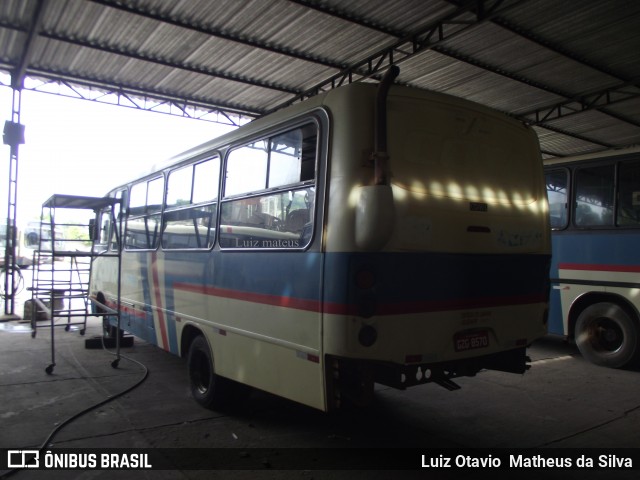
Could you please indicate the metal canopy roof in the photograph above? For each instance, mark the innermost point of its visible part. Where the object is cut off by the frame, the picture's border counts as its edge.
(569, 68)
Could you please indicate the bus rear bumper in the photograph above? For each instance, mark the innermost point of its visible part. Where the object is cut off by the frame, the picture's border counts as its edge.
(353, 379)
(403, 376)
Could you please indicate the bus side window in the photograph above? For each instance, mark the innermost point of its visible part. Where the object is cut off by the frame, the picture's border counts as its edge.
(594, 196)
(144, 220)
(629, 194)
(188, 223)
(284, 165)
(116, 234)
(557, 186)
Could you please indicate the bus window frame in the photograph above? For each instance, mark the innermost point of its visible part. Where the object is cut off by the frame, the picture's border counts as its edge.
(184, 209)
(145, 214)
(167, 210)
(569, 200)
(116, 244)
(318, 118)
(618, 204)
(314, 119)
(572, 169)
(574, 199)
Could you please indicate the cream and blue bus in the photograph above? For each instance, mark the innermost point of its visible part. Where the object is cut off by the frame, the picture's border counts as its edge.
(594, 203)
(370, 234)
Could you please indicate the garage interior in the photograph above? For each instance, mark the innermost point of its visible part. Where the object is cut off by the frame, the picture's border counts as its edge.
(568, 69)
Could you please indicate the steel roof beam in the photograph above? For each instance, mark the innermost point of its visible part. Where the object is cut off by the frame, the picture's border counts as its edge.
(132, 97)
(591, 101)
(20, 70)
(574, 103)
(426, 38)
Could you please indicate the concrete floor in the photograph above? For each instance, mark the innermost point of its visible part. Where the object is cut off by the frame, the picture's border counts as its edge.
(562, 402)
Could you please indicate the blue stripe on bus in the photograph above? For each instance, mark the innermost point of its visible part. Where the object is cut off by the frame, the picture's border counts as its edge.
(594, 247)
(443, 277)
(404, 281)
(591, 247)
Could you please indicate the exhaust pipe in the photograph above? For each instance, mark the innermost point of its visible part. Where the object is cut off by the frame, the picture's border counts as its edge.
(375, 211)
(380, 156)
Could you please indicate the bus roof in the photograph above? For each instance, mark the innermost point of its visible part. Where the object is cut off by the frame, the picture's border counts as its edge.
(307, 106)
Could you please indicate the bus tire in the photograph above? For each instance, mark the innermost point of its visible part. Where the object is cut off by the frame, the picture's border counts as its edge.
(209, 389)
(607, 335)
(108, 330)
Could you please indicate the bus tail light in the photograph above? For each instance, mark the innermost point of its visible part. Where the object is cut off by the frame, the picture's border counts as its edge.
(365, 279)
(367, 335)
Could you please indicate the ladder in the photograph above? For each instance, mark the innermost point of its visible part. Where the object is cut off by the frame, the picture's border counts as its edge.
(60, 295)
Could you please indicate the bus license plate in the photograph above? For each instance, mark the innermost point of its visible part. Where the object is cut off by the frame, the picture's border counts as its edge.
(471, 340)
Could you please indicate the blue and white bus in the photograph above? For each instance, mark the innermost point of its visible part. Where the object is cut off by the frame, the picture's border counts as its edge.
(594, 203)
(371, 234)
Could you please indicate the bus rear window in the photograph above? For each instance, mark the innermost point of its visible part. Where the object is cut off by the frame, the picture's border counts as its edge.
(460, 154)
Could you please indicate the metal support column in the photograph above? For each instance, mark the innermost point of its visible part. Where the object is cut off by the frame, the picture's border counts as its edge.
(13, 135)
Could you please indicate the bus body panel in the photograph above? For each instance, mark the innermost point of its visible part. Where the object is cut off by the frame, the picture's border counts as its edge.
(447, 287)
(263, 324)
(587, 262)
(595, 213)
(460, 245)
(418, 302)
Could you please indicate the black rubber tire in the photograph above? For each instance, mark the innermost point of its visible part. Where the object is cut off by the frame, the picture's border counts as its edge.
(208, 389)
(607, 335)
(109, 331)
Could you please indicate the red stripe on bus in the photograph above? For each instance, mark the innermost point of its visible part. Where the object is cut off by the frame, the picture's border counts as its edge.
(352, 309)
(275, 300)
(599, 267)
(156, 291)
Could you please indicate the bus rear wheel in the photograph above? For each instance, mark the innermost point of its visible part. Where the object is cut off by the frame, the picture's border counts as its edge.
(209, 389)
(607, 335)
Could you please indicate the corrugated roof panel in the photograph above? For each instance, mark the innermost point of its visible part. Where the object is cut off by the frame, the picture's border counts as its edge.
(555, 144)
(630, 107)
(255, 55)
(446, 75)
(386, 15)
(527, 61)
(600, 126)
(606, 33)
(17, 13)
(10, 45)
(286, 26)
